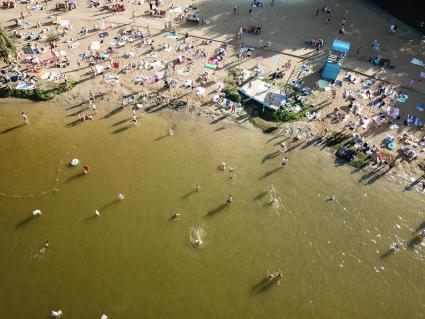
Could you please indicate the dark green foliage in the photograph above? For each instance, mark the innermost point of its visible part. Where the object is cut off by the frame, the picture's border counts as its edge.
(37, 94)
(7, 45)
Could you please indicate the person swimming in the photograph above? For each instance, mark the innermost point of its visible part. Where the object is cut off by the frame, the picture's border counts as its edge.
(222, 166)
(121, 196)
(56, 313)
(97, 213)
(395, 247)
(37, 212)
(229, 200)
(87, 169)
(176, 216)
(198, 242)
(197, 188)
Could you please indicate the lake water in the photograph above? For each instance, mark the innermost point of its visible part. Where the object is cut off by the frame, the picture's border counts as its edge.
(133, 261)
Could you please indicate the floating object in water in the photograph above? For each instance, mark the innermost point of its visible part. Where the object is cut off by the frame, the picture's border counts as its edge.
(170, 132)
(56, 313)
(37, 212)
(104, 317)
(97, 213)
(74, 162)
(121, 196)
(222, 166)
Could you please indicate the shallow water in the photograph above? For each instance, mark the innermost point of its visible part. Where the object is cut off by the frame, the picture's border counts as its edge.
(135, 261)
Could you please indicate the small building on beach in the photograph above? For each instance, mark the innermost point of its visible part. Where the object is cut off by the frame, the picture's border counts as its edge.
(264, 94)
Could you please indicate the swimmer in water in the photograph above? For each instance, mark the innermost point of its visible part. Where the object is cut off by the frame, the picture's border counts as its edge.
(395, 247)
(46, 245)
(176, 216)
(229, 200)
(331, 198)
(197, 188)
(97, 213)
(87, 169)
(198, 242)
(223, 166)
(121, 196)
(284, 162)
(37, 212)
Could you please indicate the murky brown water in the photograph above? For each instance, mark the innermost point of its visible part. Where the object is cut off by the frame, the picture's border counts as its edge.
(134, 262)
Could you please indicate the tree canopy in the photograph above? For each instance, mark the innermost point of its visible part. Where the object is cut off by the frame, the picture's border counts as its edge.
(7, 45)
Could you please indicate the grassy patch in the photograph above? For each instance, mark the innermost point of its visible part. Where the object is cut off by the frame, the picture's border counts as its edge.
(362, 160)
(262, 123)
(37, 94)
(230, 88)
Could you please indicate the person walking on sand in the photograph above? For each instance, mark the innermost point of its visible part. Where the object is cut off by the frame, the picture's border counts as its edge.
(25, 117)
(284, 162)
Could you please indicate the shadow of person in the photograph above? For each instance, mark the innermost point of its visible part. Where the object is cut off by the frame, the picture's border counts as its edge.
(267, 174)
(216, 210)
(122, 129)
(262, 286)
(261, 195)
(115, 201)
(10, 129)
(76, 176)
(25, 221)
(187, 195)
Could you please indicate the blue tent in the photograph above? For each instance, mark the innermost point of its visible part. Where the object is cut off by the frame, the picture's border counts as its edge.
(334, 60)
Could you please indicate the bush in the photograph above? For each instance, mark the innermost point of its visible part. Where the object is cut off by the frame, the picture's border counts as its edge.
(7, 45)
(37, 94)
(285, 116)
(53, 37)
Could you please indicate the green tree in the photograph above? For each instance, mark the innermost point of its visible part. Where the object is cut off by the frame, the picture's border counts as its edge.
(7, 45)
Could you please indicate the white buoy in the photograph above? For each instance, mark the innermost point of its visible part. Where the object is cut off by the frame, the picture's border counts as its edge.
(37, 212)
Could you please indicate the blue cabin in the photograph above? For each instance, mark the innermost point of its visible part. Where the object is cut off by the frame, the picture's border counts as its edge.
(334, 60)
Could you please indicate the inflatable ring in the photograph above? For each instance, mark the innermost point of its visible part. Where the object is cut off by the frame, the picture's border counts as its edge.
(307, 114)
(391, 146)
(287, 104)
(74, 162)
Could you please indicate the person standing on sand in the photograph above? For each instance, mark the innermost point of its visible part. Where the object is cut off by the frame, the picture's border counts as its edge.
(25, 117)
